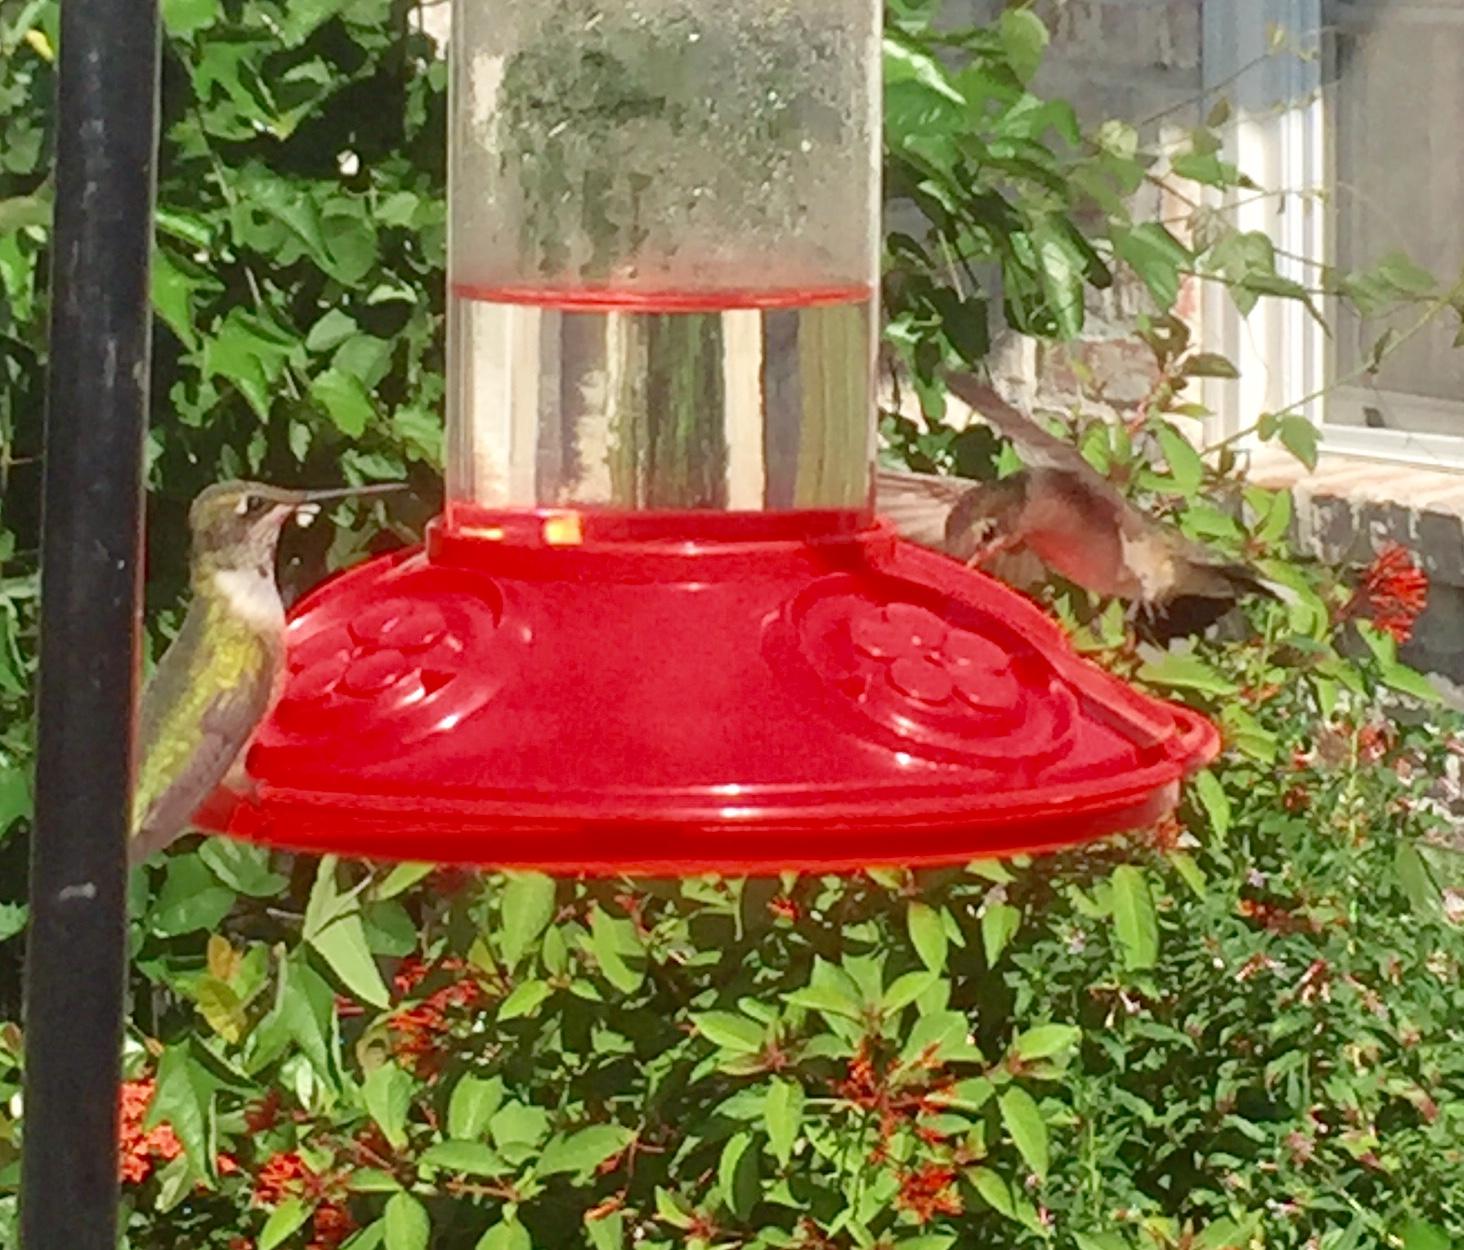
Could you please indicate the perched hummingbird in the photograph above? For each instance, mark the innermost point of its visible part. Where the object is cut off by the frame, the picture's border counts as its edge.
(1072, 518)
(221, 674)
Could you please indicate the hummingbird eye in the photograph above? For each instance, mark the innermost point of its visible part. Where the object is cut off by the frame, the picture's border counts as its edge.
(251, 505)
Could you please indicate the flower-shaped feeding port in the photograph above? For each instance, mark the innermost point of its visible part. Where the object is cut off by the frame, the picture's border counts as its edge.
(931, 663)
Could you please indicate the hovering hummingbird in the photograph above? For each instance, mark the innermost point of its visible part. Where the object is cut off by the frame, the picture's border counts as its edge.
(1072, 518)
(221, 674)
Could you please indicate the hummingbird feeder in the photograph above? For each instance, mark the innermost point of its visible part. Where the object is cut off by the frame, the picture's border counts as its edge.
(658, 628)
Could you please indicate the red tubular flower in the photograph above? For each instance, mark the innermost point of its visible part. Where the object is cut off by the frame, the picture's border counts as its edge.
(331, 1225)
(1393, 591)
(139, 1151)
(861, 1084)
(784, 908)
(285, 1175)
(418, 1031)
(928, 1191)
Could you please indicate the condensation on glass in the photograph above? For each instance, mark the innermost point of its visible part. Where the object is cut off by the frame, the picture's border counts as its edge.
(663, 253)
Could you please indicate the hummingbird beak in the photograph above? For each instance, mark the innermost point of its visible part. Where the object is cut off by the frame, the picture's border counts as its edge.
(309, 506)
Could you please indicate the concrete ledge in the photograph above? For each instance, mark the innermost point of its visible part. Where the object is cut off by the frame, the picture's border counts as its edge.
(1349, 508)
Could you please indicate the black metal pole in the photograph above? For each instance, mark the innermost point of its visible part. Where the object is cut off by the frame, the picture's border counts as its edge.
(106, 150)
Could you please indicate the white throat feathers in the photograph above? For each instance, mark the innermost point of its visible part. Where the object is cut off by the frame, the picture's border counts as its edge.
(253, 597)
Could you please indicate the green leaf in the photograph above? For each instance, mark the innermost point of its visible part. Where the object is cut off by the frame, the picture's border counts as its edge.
(830, 990)
(20, 211)
(473, 1158)
(507, 1234)
(1062, 269)
(739, 1176)
(999, 924)
(1215, 801)
(1024, 1124)
(905, 990)
(182, 18)
(183, 1099)
(251, 354)
(401, 879)
(584, 1150)
(1403, 274)
(1185, 465)
(333, 329)
(905, 61)
(1046, 1040)
(407, 1224)
(345, 401)
(1134, 919)
(192, 899)
(783, 1114)
(613, 942)
(1157, 257)
(1209, 365)
(13, 917)
(221, 1009)
(927, 932)
(1409, 681)
(1418, 882)
(1300, 437)
(284, 1221)
(333, 928)
(1181, 670)
(1189, 871)
(672, 1209)
(525, 999)
(606, 1230)
(730, 1031)
(518, 1125)
(471, 1107)
(15, 795)
(387, 1093)
(993, 1190)
(1419, 1234)
(243, 866)
(526, 909)
(372, 1181)
(936, 1036)
(1024, 39)
(172, 297)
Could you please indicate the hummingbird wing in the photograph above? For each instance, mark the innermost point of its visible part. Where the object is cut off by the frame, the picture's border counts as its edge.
(922, 506)
(210, 690)
(1038, 448)
(954, 515)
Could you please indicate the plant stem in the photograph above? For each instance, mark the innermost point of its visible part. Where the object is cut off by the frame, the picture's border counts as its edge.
(1434, 308)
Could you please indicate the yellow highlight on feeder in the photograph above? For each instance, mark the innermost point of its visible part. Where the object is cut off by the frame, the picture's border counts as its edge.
(563, 530)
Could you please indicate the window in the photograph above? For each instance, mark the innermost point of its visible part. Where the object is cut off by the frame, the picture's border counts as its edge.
(1365, 129)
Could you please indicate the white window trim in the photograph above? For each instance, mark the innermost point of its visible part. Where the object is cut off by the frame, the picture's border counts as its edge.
(1278, 136)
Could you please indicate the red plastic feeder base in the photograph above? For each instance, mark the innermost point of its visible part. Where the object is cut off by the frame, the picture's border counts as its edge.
(599, 693)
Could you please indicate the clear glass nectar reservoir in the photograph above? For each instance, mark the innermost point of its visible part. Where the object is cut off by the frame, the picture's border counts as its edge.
(663, 253)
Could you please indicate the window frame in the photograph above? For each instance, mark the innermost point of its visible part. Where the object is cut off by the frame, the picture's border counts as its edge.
(1278, 135)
